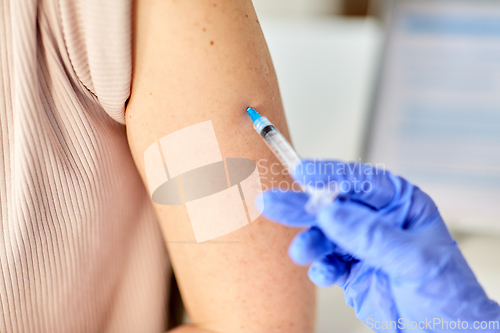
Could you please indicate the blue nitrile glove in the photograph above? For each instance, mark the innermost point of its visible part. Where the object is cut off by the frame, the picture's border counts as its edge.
(384, 242)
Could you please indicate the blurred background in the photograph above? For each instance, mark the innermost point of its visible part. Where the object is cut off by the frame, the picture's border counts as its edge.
(413, 85)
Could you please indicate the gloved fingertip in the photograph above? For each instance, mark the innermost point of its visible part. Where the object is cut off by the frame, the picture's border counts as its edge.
(299, 252)
(298, 257)
(259, 202)
(322, 275)
(265, 200)
(328, 270)
(285, 207)
(308, 246)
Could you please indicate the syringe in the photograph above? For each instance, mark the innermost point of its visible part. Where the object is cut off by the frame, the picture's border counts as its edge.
(283, 150)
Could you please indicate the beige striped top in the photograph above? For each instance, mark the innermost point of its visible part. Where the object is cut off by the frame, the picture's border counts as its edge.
(80, 249)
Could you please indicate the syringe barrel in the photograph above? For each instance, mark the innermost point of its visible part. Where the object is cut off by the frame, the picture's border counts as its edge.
(281, 148)
(277, 143)
(318, 198)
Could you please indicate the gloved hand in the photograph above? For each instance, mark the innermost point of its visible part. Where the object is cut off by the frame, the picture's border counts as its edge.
(384, 242)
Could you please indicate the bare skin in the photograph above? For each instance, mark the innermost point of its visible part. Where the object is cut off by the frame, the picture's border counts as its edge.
(205, 60)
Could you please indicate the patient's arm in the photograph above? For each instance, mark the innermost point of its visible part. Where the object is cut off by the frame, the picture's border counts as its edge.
(200, 60)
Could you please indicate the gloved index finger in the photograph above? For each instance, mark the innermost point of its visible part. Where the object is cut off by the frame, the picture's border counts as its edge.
(365, 183)
(285, 207)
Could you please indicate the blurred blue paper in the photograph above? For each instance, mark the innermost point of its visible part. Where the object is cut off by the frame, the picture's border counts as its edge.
(437, 116)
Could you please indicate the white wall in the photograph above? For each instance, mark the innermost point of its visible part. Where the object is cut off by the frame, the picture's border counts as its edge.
(325, 68)
(296, 8)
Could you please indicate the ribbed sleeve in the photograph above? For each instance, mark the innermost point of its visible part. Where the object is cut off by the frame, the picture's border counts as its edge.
(80, 248)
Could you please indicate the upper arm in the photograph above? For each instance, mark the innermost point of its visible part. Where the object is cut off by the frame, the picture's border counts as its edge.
(197, 61)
